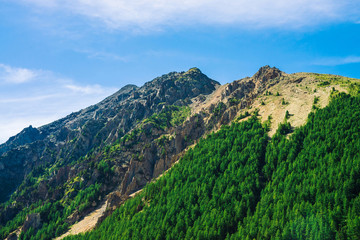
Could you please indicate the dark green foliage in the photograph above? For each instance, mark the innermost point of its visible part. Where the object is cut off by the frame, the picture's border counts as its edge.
(179, 115)
(315, 103)
(16, 221)
(313, 190)
(132, 135)
(238, 184)
(277, 94)
(234, 101)
(283, 102)
(79, 193)
(287, 115)
(53, 215)
(354, 89)
(315, 107)
(325, 83)
(84, 198)
(243, 115)
(235, 184)
(284, 128)
(205, 196)
(170, 116)
(267, 123)
(316, 100)
(219, 109)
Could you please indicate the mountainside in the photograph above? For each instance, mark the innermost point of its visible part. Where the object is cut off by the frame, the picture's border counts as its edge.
(237, 184)
(75, 135)
(55, 175)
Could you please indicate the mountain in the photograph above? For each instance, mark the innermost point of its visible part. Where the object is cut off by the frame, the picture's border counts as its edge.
(99, 157)
(74, 136)
(238, 184)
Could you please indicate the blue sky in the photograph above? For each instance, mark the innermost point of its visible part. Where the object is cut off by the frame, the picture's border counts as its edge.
(57, 57)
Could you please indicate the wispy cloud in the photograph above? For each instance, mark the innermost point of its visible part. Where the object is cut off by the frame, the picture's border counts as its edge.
(336, 61)
(16, 75)
(88, 89)
(44, 98)
(156, 14)
(26, 99)
(103, 55)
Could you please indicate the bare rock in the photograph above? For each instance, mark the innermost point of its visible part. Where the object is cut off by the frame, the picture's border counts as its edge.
(74, 217)
(33, 220)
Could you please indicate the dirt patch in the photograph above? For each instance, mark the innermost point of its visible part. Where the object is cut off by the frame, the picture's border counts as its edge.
(87, 224)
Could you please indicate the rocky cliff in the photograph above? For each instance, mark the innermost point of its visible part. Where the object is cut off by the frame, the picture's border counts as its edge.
(81, 137)
(130, 138)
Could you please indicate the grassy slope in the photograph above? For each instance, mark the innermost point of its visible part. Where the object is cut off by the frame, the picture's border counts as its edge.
(299, 96)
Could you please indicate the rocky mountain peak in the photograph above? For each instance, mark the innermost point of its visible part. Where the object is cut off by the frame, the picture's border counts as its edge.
(130, 138)
(27, 135)
(193, 70)
(128, 87)
(266, 73)
(249, 87)
(192, 75)
(77, 134)
(175, 86)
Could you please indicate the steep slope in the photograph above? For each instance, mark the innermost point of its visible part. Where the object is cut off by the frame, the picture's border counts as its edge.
(72, 137)
(198, 189)
(64, 162)
(272, 93)
(313, 188)
(238, 184)
(65, 170)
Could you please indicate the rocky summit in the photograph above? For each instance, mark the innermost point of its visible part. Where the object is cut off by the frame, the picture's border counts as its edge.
(97, 158)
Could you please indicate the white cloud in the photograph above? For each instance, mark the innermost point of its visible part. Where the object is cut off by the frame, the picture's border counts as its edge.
(336, 61)
(155, 14)
(26, 99)
(45, 98)
(88, 89)
(15, 75)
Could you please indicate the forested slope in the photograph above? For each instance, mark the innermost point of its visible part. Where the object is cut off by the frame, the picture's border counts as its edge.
(313, 190)
(213, 187)
(239, 184)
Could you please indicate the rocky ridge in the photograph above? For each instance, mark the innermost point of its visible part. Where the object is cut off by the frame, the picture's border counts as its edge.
(82, 135)
(133, 135)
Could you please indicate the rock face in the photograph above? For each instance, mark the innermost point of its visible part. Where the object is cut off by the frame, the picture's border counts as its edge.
(157, 159)
(28, 135)
(130, 131)
(13, 236)
(71, 138)
(32, 221)
(248, 87)
(266, 73)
